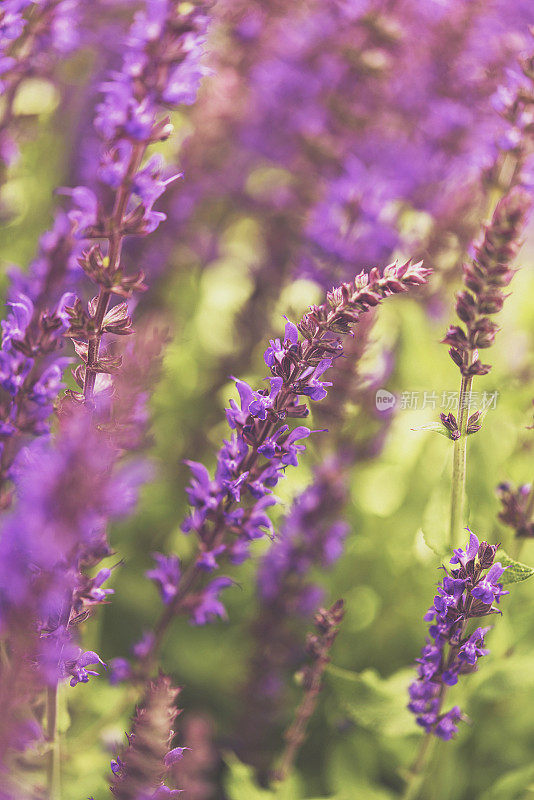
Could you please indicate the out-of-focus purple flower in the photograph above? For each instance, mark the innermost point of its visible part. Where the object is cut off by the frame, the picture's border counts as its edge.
(66, 489)
(144, 645)
(310, 539)
(210, 607)
(119, 670)
(34, 36)
(166, 575)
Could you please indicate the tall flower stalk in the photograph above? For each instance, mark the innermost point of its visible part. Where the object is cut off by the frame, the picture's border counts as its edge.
(318, 646)
(469, 591)
(309, 541)
(262, 446)
(485, 278)
(161, 68)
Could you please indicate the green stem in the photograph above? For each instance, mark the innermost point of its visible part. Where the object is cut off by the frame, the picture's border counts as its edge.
(417, 773)
(52, 735)
(459, 465)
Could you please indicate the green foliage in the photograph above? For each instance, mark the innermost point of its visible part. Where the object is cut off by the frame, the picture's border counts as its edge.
(515, 571)
(372, 702)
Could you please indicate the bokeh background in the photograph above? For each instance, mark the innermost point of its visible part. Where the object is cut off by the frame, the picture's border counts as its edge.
(330, 137)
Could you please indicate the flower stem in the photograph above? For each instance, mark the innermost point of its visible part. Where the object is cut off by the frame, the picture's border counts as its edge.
(417, 773)
(116, 238)
(52, 735)
(459, 465)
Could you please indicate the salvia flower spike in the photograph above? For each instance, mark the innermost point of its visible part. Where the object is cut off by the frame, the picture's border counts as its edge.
(139, 771)
(229, 510)
(161, 67)
(469, 591)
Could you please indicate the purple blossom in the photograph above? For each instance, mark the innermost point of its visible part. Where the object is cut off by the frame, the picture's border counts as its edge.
(468, 591)
(174, 756)
(166, 575)
(119, 670)
(144, 645)
(210, 607)
(77, 666)
(488, 589)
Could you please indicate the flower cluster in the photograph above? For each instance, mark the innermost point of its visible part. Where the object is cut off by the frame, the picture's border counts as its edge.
(364, 120)
(468, 591)
(485, 278)
(262, 445)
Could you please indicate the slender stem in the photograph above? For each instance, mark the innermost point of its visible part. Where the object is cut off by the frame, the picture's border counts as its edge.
(417, 773)
(52, 736)
(459, 465)
(297, 732)
(116, 238)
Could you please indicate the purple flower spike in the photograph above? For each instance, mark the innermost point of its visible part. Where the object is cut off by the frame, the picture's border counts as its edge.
(468, 591)
(228, 510)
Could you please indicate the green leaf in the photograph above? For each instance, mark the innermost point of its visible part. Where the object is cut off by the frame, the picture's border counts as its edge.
(516, 571)
(510, 786)
(435, 522)
(436, 427)
(240, 783)
(373, 702)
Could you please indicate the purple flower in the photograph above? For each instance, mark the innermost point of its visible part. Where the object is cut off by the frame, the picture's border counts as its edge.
(446, 727)
(119, 670)
(174, 755)
(473, 649)
(77, 667)
(144, 645)
(470, 551)
(229, 510)
(166, 575)
(487, 589)
(209, 607)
